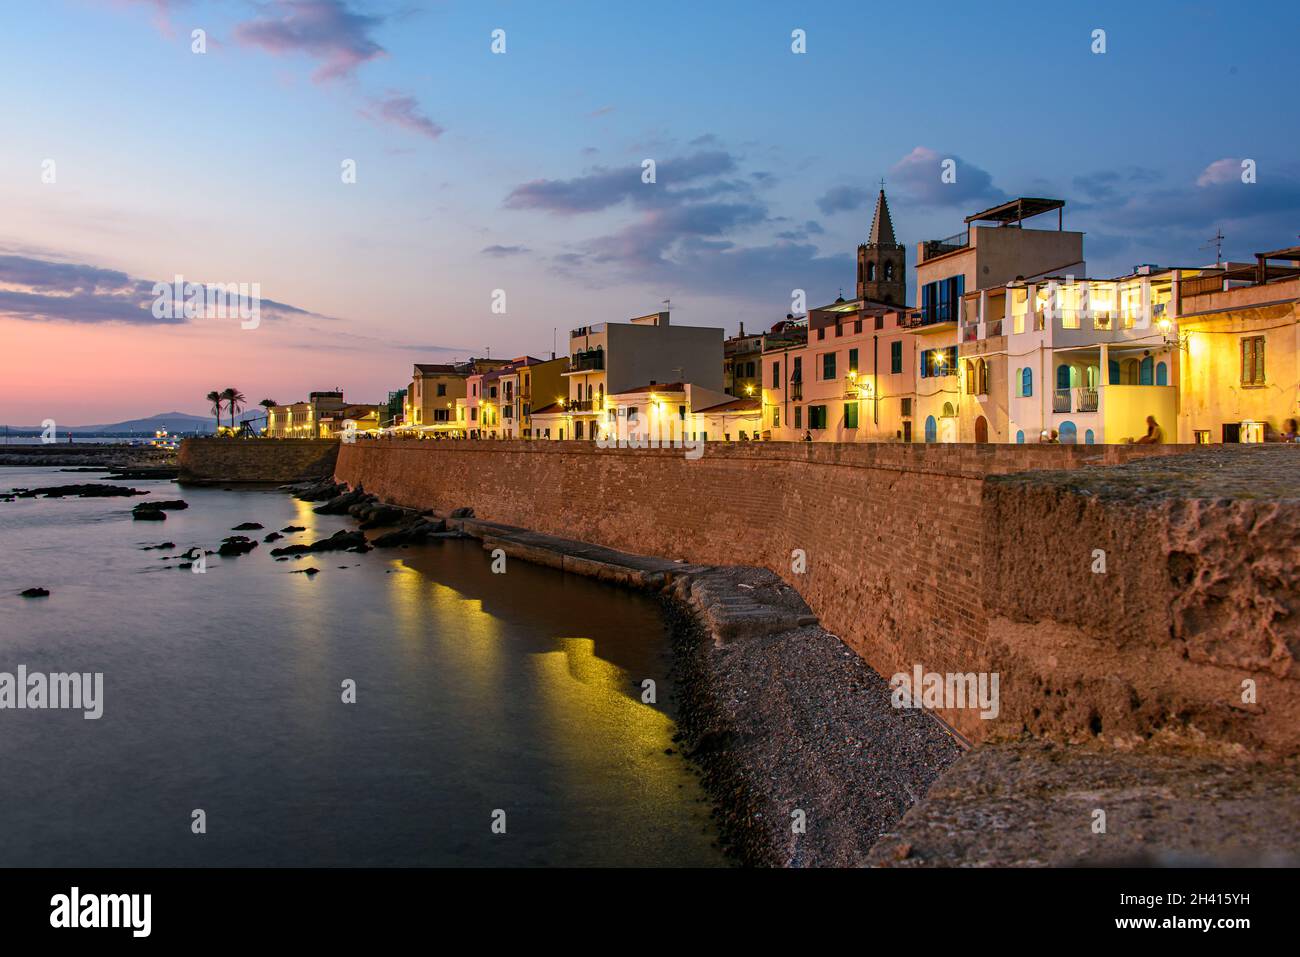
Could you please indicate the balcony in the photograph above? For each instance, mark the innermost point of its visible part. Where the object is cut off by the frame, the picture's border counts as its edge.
(852, 387)
(1061, 400)
(796, 390)
(590, 361)
(934, 248)
(580, 405)
(1087, 400)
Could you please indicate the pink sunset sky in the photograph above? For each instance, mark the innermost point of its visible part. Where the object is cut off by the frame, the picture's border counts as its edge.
(129, 158)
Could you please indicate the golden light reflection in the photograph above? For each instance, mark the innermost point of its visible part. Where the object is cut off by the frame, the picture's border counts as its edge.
(471, 638)
(596, 721)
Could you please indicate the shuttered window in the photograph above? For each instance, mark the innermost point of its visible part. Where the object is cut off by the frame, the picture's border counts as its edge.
(1252, 360)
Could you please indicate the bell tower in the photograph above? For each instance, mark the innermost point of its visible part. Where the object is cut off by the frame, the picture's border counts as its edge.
(881, 260)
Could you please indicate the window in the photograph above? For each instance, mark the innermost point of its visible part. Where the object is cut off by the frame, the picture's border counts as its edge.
(749, 370)
(853, 360)
(828, 365)
(798, 417)
(896, 357)
(577, 429)
(776, 375)
(442, 388)
(631, 415)
(907, 405)
(857, 327)
(850, 415)
(939, 362)
(1026, 382)
(981, 378)
(816, 416)
(473, 414)
(796, 374)
(1252, 360)
(970, 377)
(776, 416)
(839, 330)
(941, 299)
(681, 412)
(871, 272)
(1202, 436)
(821, 333)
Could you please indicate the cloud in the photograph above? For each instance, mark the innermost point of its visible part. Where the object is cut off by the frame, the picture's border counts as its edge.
(1220, 171)
(920, 173)
(603, 111)
(840, 199)
(682, 232)
(503, 251)
(404, 111)
(327, 31)
(603, 187)
(41, 290)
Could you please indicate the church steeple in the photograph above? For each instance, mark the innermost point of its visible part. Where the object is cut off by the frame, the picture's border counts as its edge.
(882, 227)
(882, 261)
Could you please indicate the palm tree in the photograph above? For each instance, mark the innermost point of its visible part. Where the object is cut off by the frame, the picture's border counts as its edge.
(234, 402)
(216, 399)
(268, 404)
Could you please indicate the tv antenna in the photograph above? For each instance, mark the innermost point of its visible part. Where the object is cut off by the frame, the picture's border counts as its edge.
(1217, 242)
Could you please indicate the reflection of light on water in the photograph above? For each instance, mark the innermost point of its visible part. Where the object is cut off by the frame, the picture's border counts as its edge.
(470, 637)
(597, 725)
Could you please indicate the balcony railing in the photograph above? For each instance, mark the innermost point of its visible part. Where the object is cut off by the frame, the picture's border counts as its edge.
(1087, 400)
(1061, 400)
(580, 405)
(796, 391)
(851, 386)
(993, 329)
(937, 247)
(593, 361)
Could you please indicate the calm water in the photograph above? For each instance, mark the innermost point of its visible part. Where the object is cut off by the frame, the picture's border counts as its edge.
(222, 691)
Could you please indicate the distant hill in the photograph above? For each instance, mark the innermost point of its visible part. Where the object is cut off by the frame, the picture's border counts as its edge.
(171, 421)
(174, 422)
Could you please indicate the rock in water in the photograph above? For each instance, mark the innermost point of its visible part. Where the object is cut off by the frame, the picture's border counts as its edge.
(36, 593)
(148, 512)
(236, 545)
(247, 527)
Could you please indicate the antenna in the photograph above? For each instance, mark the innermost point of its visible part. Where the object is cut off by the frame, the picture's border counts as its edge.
(1217, 242)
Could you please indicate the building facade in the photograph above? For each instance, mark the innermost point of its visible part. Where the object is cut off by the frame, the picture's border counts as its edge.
(1238, 330)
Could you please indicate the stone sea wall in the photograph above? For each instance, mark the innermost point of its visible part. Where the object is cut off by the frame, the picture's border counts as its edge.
(957, 558)
(234, 461)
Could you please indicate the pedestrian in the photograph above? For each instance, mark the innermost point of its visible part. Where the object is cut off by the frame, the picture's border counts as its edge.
(1289, 432)
(1155, 435)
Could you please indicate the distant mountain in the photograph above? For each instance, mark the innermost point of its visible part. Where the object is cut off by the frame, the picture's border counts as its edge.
(171, 421)
(174, 422)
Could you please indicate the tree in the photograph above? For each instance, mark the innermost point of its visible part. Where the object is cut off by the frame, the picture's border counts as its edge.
(268, 404)
(234, 402)
(216, 399)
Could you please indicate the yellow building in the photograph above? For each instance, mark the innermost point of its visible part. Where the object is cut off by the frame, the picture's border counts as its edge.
(301, 420)
(1238, 328)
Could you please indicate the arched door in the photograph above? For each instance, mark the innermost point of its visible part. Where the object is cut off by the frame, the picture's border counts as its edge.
(981, 429)
(931, 429)
(1069, 433)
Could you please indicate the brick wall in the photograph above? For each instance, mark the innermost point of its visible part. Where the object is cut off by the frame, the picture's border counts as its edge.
(901, 543)
(223, 461)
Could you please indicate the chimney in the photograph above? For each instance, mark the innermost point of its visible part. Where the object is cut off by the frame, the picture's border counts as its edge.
(742, 330)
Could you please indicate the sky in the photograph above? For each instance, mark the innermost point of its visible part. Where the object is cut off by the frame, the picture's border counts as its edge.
(515, 179)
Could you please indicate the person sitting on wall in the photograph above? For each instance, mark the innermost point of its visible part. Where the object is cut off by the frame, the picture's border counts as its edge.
(1289, 432)
(1155, 435)
(807, 436)
(1051, 438)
